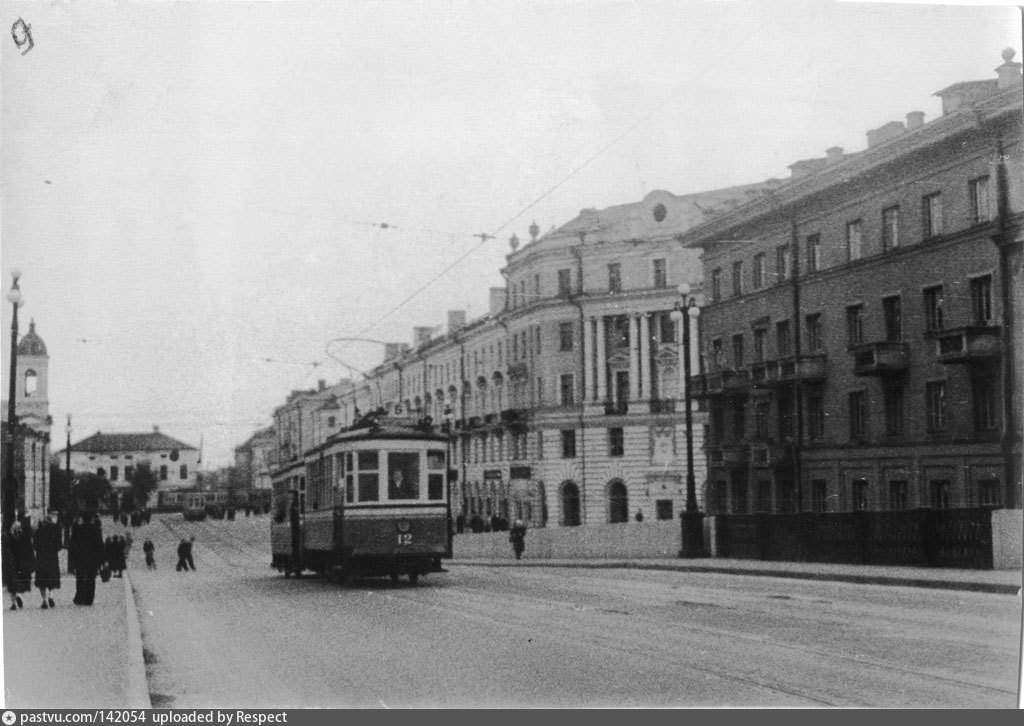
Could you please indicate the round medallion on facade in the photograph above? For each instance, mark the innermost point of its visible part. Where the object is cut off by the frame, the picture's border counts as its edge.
(660, 213)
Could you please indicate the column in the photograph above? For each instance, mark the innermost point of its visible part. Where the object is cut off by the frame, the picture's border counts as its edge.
(646, 390)
(602, 367)
(681, 332)
(634, 359)
(588, 360)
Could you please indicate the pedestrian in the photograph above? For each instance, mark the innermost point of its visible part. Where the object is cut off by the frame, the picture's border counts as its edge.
(18, 563)
(87, 541)
(182, 565)
(108, 552)
(47, 544)
(516, 536)
(188, 553)
(460, 524)
(119, 563)
(150, 549)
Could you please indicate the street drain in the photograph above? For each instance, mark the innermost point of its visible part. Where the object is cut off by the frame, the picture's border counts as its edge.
(614, 612)
(779, 597)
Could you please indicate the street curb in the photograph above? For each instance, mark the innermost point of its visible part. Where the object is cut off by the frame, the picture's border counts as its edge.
(987, 587)
(138, 687)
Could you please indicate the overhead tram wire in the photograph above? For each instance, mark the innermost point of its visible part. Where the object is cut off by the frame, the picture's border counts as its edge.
(484, 237)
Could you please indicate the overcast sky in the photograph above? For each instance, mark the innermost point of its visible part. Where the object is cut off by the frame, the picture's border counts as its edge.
(191, 189)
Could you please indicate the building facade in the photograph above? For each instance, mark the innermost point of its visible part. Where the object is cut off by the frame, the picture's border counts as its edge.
(32, 436)
(862, 323)
(253, 459)
(115, 457)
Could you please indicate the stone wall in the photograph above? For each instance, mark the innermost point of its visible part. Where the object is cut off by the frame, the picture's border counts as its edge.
(629, 540)
(1007, 531)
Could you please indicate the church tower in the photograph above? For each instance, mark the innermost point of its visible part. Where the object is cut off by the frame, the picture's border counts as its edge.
(31, 401)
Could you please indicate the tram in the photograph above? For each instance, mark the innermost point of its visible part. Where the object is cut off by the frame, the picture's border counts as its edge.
(372, 500)
(194, 508)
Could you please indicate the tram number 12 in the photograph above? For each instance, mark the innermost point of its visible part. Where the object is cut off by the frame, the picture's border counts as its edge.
(405, 539)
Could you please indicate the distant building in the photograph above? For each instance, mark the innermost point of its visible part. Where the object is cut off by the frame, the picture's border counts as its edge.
(861, 327)
(115, 457)
(253, 459)
(32, 438)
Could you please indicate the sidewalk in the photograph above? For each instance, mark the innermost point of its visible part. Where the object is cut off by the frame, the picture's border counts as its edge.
(1006, 582)
(74, 656)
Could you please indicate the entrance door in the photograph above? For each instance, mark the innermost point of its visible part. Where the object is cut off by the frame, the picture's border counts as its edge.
(570, 505)
(618, 503)
(621, 387)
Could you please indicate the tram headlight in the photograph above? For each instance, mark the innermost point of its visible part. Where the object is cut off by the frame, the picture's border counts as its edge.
(403, 525)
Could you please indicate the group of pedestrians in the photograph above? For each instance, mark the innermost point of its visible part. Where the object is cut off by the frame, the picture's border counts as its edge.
(116, 549)
(185, 561)
(25, 552)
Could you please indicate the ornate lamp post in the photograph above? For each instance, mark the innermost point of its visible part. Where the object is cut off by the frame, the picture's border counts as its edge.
(10, 483)
(67, 465)
(692, 519)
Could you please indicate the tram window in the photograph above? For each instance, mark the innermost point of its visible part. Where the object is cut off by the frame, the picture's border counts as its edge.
(435, 460)
(435, 486)
(349, 488)
(403, 475)
(368, 460)
(369, 488)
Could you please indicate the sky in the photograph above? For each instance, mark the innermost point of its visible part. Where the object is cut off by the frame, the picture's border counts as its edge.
(195, 192)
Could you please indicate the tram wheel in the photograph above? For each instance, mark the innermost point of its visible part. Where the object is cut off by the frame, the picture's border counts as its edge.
(394, 577)
(287, 573)
(414, 577)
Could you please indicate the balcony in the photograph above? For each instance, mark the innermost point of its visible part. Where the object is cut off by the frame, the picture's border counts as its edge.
(764, 374)
(473, 422)
(803, 369)
(518, 372)
(663, 405)
(513, 415)
(973, 344)
(880, 359)
(491, 418)
(720, 383)
(765, 453)
(730, 455)
(615, 408)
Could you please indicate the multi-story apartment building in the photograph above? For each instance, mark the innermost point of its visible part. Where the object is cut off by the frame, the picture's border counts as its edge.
(565, 402)
(253, 459)
(861, 326)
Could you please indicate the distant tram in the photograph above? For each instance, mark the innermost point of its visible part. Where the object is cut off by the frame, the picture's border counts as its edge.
(372, 500)
(194, 508)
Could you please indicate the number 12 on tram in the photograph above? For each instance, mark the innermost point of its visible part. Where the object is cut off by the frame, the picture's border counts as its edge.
(371, 502)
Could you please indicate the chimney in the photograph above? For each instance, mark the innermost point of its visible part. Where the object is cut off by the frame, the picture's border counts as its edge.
(421, 335)
(321, 384)
(834, 155)
(884, 133)
(497, 300)
(456, 320)
(915, 120)
(392, 350)
(156, 429)
(1009, 72)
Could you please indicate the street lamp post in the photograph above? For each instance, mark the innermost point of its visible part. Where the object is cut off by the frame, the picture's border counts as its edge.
(67, 464)
(10, 484)
(692, 519)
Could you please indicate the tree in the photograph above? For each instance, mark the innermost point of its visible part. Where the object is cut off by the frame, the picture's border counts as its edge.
(91, 491)
(143, 484)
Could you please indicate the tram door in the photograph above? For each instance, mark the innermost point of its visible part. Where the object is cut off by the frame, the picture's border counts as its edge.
(296, 530)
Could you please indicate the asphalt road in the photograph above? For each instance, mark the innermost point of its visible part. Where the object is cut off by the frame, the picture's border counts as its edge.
(237, 634)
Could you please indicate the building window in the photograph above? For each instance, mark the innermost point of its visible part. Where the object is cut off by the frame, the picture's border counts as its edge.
(980, 210)
(814, 253)
(568, 444)
(819, 495)
(813, 325)
(113, 473)
(660, 273)
(931, 209)
(614, 277)
(897, 495)
(983, 393)
(163, 472)
(784, 407)
(716, 284)
(536, 286)
(783, 266)
(564, 283)
(764, 495)
(935, 405)
(859, 495)
(737, 278)
(182, 471)
(717, 358)
(858, 414)
(890, 228)
(761, 412)
(855, 325)
(129, 473)
(782, 343)
(739, 492)
(663, 509)
(760, 335)
(739, 419)
(933, 308)
(758, 271)
(666, 327)
(737, 350)
(716, 416)
(815, 417)
(989, 494)
(893, 393)
(616, 442)
(854, 240)
(567, 389)
(941, 493)
(891, 308)
(981, 300)
(565, 336)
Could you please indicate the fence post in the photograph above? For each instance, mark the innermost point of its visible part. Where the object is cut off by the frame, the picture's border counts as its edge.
(929, 537)
(763, 537)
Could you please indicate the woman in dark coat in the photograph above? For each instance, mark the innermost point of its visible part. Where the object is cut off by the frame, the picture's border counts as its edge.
(23, 561)
(47, 542)
(87, 542)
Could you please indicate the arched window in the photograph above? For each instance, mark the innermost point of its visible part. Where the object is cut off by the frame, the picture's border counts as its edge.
(31, 382)
(570, 504)
(618, 502)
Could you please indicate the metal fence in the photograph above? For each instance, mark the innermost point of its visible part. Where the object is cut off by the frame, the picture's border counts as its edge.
(917, 537)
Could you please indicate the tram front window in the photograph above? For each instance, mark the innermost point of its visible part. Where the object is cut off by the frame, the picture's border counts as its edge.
(404, 475)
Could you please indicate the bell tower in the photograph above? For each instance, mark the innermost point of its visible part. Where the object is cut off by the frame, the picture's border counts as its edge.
(32, 402)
